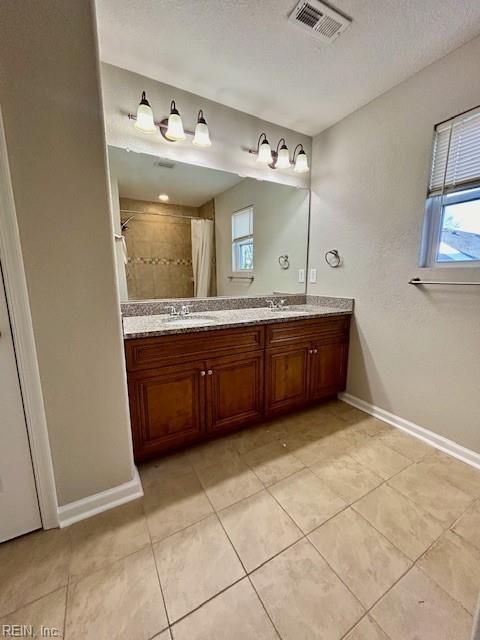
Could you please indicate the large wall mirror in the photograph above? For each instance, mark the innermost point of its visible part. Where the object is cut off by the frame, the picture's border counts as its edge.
(189, 231)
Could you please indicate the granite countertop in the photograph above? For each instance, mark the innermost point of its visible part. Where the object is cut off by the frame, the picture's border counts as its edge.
(160, 325)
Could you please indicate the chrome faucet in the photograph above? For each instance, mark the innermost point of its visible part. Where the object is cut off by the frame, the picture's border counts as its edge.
(276, 305)
(182, 312)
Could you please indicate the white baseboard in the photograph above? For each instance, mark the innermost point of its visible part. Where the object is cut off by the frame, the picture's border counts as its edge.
(444, 444)
(90, 506)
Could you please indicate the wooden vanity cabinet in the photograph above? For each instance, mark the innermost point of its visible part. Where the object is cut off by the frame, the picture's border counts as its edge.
(184, 388)
(306, 361)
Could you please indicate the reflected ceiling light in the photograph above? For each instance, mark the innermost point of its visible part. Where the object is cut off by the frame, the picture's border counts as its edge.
(144, 121)
(202, 135)
(163, 197)
(301, 160)
(283, 156)
(175, 130)
(264, 153)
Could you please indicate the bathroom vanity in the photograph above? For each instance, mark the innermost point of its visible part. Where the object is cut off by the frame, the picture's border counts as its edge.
(188, 384)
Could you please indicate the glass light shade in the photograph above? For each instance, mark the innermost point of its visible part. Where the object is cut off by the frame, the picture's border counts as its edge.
(301, 163)
(283, 159)
(144, 121)
(202, 136)
(264, 153)
(175, 127)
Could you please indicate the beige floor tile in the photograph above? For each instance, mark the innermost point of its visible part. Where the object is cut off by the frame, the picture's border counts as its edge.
(382, 460)
(367, 629)
(175, 504)
(121, 601)
(310, 451)
(227, 483)
(347, 477)
(454, 565)
(258, 528)
(431, 493)
(468, 527)
(164, 469)
(461, 475)
(194, 565)
(165, 635)
(236, 614)
(304, 597)
(412, 448)
(32, 566)
(255, 437)
(308, 500)
(369, 426)
(272, 462)
(107, 537)
(417, 609)
(410, 528)
(364, 559)
(47, 612)
(217, 452)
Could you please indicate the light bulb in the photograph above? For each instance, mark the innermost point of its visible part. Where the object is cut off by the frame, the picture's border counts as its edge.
(175, 125)
(264, 153)
(163, 197)
(144, 121)
(301, 163)
(283, 159)
(202, 135)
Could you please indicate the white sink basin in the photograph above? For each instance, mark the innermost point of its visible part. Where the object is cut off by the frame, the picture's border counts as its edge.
(191, 321)
(289, 311)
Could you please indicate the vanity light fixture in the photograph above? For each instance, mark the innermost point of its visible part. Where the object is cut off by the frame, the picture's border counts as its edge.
(283, 155)
(301, 160)
(279, 158)
(175, 130)
(144, 121)
(163, 197)
(264, 152)
(171, 128)
(202, 135)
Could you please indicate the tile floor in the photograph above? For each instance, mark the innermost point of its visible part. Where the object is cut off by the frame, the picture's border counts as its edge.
(326, 524)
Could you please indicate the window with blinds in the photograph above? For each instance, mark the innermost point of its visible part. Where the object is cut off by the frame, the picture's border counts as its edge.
(456, 154)
(451, 232)
(242, 240)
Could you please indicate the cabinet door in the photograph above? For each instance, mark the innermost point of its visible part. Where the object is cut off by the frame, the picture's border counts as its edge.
(329, 367)
(287, 373)
(234, 391)
(166, 407)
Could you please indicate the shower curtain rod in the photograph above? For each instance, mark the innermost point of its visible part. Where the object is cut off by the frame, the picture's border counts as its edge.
(172, 215)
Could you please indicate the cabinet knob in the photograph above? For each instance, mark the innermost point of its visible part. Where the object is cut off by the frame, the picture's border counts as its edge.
(315, 351)
(202, 373)
(310, 351)
(210, 372)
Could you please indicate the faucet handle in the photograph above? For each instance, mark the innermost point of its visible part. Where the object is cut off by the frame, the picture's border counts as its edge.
(173, 310)
(281, 303)
(186, 309)
(271, 304)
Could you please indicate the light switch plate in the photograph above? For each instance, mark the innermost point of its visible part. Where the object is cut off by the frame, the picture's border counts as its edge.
(301, 275)
(313, 276)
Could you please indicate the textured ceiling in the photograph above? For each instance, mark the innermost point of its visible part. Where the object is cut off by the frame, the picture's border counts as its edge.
(244, 53)
(140, 178)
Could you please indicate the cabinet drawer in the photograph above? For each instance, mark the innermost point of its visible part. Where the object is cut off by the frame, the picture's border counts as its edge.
(322, 330)
(147, 353)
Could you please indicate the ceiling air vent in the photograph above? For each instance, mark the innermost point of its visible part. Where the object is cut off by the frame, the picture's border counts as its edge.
(319, 20)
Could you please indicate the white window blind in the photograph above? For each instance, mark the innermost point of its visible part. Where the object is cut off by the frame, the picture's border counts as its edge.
(242, 223)
(456, 154)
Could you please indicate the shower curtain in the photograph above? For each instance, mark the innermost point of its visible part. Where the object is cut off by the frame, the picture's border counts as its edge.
(202, 256)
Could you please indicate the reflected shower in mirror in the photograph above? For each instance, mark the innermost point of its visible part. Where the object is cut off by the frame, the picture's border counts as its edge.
(187, 231)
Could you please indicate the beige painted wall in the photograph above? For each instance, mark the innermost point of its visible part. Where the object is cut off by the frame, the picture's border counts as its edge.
(50, 98)
(414, 352)
(280, 226)
(231, 131)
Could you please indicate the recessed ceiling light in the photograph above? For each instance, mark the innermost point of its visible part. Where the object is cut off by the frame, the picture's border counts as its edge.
(163, 197)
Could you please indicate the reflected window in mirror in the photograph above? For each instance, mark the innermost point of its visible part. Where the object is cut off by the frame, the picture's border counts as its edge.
(242, 240)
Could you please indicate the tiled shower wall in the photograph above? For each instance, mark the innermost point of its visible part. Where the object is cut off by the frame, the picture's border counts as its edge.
(159, 248)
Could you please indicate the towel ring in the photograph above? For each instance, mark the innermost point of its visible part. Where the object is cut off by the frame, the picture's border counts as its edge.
(333, 259)
(284, 262)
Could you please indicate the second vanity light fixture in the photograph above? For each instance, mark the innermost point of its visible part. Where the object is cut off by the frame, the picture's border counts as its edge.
(280, 157)
(171, 128)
